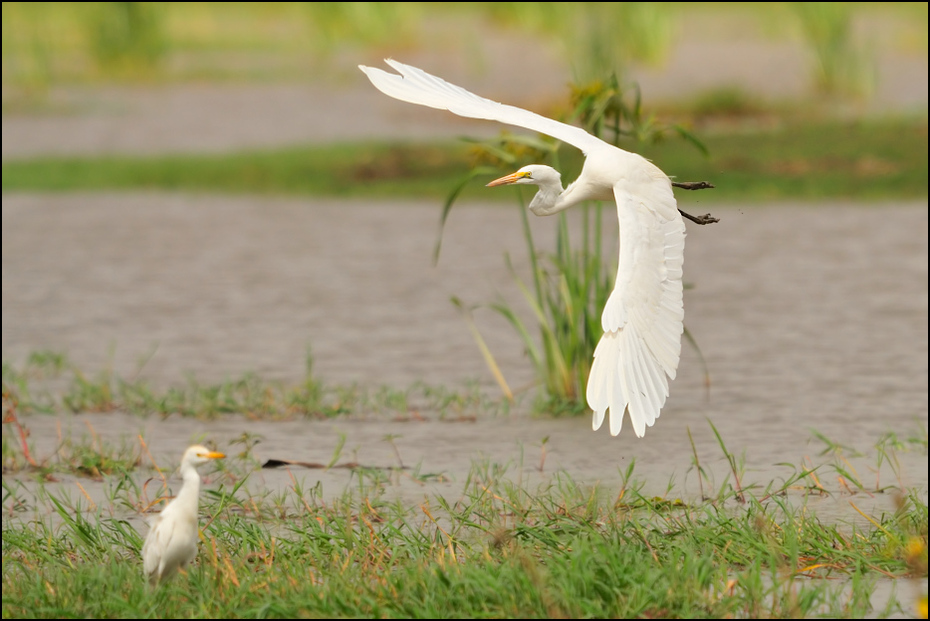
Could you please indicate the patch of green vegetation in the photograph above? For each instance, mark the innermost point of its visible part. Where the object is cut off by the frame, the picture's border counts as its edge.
(353, 170)
(729, 102)
(499, 548)
(863, 160)
(87, 457)
(47, 383)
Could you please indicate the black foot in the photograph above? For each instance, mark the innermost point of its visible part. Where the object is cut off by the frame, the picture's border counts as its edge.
(705, 219)
(692, 185)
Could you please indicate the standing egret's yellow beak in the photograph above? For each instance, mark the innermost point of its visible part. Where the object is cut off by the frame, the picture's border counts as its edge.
(507, 180)
(213, 455)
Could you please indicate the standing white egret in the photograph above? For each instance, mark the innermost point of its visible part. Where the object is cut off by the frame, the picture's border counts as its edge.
(172, 540)
(642, 319)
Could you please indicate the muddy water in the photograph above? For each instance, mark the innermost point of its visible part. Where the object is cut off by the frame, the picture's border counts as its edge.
(810, 318)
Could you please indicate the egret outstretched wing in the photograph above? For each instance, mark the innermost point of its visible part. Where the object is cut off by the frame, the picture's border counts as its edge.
(418, 87)
(643, 318)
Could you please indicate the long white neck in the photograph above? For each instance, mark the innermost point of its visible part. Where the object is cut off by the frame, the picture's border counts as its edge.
(190, 491)
(551, 198)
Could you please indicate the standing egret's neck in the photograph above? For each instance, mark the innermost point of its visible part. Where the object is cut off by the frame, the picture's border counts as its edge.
(190, 491)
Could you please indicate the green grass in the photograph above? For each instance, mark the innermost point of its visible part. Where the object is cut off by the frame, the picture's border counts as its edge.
(354, 170)
(47, 382)
(868, 160)
(493, 546)
(496, 548)
(84, 457)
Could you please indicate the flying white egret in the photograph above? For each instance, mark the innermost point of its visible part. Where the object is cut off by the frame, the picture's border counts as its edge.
(642, 319)
(172, 540)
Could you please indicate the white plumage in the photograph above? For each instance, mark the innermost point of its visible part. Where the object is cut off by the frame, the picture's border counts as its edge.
(173, 535)
(643, 317)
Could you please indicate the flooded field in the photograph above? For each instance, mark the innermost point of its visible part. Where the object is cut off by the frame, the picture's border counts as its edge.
(810, 318)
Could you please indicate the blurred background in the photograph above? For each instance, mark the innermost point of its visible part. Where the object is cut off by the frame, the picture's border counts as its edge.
(851, 52)
(150, 65)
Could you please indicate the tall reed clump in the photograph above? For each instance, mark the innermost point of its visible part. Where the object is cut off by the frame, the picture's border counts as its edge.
(842, 66)
(333, 24)
(126, 38)
(568, 286)
(597, 38)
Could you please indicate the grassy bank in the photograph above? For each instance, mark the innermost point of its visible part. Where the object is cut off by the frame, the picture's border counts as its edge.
(496, 547)
(868, 160)
(494, 544)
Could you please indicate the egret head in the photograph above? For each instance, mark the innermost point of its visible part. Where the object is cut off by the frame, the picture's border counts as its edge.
(534, 174)
(198, 454)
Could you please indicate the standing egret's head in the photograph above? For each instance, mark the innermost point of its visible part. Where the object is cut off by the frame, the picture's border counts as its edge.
(535, 174)
(198, 454)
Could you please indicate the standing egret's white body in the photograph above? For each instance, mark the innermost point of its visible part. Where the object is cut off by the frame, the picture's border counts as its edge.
(643, 317)
(172, 540)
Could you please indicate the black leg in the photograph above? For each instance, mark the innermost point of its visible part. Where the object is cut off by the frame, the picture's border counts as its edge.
(696, 185)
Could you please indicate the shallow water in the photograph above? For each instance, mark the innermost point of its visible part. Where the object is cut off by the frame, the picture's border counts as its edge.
(810, 318)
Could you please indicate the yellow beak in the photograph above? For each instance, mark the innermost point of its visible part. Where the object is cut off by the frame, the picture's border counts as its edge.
(507, 180)
(213, 455)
